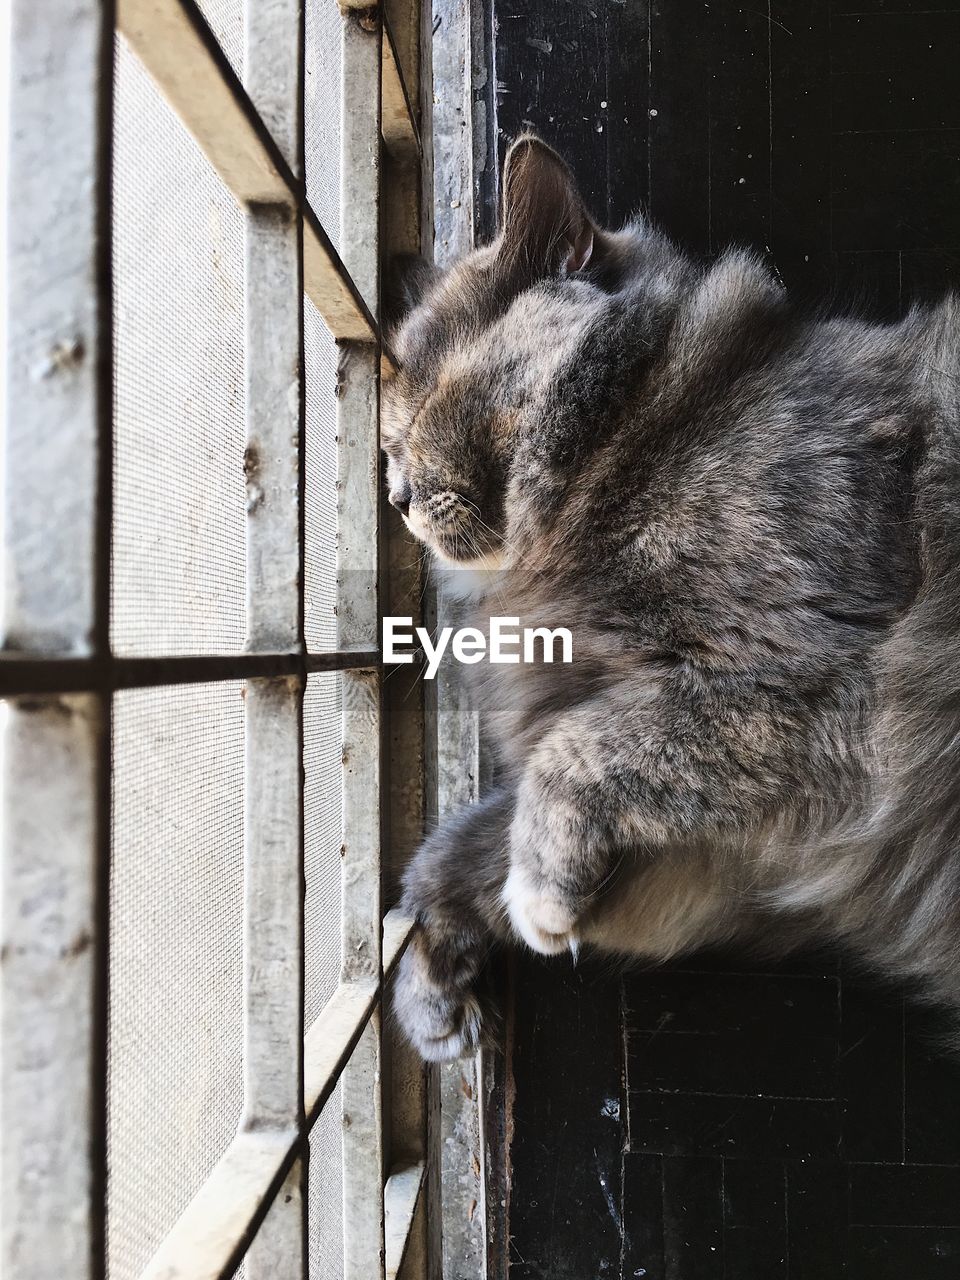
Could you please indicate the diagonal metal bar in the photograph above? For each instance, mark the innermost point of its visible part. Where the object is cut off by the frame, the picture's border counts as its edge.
(80, 675)
(332, 1038)
(177, 47)
(210, 1236)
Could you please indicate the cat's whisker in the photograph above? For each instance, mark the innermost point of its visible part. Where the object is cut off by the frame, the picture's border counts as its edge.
(607, 879)
(417, 680)
(503, 538)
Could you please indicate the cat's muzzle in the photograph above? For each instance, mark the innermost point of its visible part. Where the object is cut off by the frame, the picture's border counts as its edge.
(446, 521)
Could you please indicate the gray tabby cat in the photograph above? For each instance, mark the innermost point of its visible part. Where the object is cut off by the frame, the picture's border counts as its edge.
(750, 521)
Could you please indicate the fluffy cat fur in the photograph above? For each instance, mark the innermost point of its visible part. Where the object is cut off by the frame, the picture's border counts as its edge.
(750, 521)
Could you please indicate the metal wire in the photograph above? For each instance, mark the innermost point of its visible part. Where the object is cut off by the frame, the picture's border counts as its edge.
(179, 559)
(323, 71)
(325, 1211)
(320, 497)
(176, 943)
(323, 839)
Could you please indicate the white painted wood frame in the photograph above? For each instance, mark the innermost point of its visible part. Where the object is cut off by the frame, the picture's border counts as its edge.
(58, 674)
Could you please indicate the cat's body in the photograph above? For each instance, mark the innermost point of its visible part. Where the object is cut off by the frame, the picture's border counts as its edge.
(750, 522)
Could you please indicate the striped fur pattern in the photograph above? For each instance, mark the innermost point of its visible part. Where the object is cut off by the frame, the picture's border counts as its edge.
(749, 518)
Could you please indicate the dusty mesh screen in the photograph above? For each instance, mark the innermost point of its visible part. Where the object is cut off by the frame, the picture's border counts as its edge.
(322, 113)
(225, 20)
(176, 941)
(179, 566)
(323, 839)
(325, 1220)
(323, 64)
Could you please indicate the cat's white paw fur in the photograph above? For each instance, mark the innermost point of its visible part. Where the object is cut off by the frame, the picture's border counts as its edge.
(441, 1023)
(543, 921)
(457, 1038)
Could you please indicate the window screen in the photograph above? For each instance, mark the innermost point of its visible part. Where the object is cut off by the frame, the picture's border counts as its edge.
(193, 716)
(179, 559)
(176, 956)
(323, 839)
(320, 568)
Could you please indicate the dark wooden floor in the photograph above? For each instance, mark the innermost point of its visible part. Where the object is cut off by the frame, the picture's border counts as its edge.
(715, 1121)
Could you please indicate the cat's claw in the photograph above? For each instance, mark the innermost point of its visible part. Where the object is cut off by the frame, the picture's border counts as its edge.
(544, 921)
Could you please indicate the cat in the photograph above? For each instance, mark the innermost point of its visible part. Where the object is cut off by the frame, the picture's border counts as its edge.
(749, 519)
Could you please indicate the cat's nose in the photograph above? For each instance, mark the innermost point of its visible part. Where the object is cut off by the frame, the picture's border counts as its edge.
(400, 497)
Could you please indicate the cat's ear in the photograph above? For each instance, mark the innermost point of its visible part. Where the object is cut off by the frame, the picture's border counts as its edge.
(545, 226)
(407, 280)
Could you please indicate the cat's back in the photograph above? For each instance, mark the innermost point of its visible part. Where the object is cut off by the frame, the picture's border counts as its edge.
(746, 491)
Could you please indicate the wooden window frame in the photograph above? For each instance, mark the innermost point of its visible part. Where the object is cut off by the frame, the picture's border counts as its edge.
(58, 673)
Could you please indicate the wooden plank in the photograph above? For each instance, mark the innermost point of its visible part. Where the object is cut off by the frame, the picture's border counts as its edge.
(358, 499)
(358, 577)
(274, 413)
(361, 929)
(211, 1234)
(452, 193)
(273, 902)
(406, 228)
(363, 1232)
(56, 540)
(58, 326)
(54, 941)
(180, 52)
(457, 1228)
(397, 931)
(398, 122)
(271, 1252)
(401, 1195)
(358, 573)
(209, 1237)
(273, 947)
(331, 1039)
(273, 790)
(331, 291)
(362, 961)
(177, 47)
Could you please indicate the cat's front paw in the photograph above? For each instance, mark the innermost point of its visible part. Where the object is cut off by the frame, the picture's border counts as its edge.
(540, 913)
(436, 1005)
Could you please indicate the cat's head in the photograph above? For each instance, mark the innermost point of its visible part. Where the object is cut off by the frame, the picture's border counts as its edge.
(475, 343)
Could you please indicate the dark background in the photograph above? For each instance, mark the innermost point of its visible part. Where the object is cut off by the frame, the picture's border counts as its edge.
(720, 1120)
